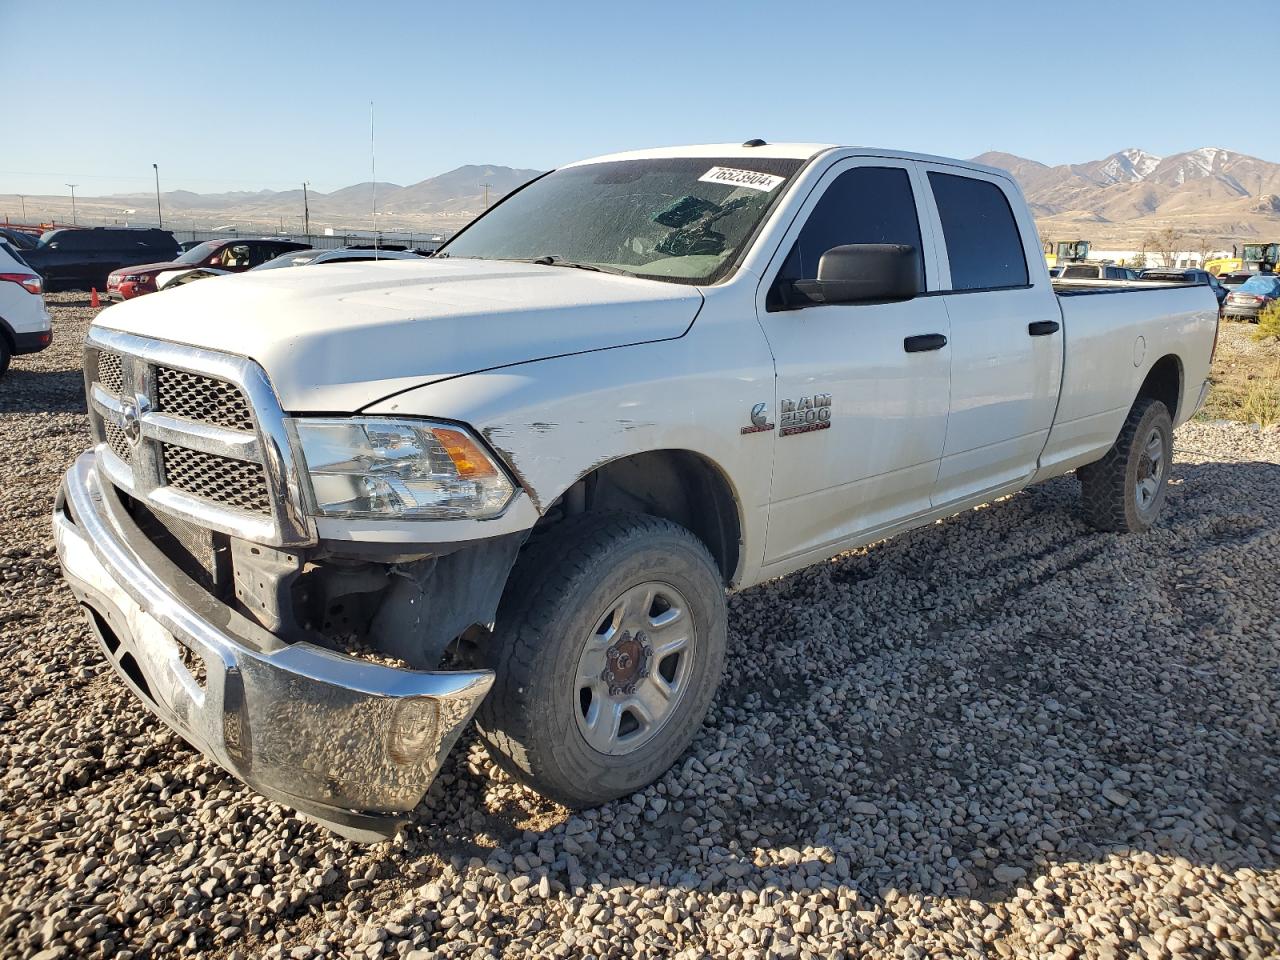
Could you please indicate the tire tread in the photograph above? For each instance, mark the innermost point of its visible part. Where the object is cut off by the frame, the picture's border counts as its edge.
(546, 570)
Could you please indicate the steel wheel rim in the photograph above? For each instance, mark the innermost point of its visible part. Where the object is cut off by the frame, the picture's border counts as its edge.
(635, 668)
(1151, 469)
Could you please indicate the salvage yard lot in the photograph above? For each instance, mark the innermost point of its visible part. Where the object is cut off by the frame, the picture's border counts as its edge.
(1000, 735)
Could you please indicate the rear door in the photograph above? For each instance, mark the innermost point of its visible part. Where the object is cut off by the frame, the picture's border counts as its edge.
(1006, 333)
(860, 416)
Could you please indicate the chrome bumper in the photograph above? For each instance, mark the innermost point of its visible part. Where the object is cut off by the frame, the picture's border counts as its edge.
(349, 743)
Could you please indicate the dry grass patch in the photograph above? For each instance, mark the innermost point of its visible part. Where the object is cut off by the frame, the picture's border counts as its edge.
(1246, 373)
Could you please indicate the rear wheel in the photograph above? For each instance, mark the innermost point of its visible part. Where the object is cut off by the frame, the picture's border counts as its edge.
(5, 355)
(608, 649)
(1125, 490)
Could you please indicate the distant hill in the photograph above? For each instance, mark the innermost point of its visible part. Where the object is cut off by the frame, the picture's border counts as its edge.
(1210, 191)
(443, 202)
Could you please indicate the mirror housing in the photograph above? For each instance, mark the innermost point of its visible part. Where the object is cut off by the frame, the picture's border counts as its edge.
(864, 273)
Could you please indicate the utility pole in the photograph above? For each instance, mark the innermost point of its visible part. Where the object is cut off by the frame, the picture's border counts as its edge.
(306, 213)
(23, 200)
(486, 194)
(159, 215)
(73, 202)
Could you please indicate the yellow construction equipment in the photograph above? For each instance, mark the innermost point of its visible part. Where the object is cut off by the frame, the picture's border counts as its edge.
(1252, 258)
(1065, 251)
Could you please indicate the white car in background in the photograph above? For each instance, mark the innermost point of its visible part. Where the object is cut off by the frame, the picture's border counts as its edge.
(24, 321)
(294, 258)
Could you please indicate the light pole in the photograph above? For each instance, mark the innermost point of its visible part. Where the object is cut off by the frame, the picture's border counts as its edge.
(73, 202)
(159, 215)
(306, 213)
(486, 194)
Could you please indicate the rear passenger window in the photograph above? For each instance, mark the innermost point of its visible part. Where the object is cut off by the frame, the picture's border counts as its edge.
(983, 243)
(863, 205)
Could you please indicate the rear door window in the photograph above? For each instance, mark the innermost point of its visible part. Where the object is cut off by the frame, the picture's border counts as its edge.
(862, 205)
(982, 238)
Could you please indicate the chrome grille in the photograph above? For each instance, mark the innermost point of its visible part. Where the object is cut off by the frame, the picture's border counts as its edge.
(201, 398)
(118, 443)
(209, 442)
(221, 480)
(110, 373)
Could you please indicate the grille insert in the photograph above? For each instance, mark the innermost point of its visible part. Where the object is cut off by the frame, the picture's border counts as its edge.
(110, 372)
(117, 441)
(220, 480)
(201, 398)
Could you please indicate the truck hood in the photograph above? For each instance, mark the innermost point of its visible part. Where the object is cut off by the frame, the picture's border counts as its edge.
(338, 337)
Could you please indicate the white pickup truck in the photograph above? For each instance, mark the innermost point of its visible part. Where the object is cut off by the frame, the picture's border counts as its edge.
(329, 516)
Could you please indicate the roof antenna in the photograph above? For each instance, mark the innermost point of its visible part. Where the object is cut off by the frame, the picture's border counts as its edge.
(373, 172)
(756, 142)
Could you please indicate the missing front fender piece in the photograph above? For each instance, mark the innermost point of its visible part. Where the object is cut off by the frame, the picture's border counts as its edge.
(430, 602)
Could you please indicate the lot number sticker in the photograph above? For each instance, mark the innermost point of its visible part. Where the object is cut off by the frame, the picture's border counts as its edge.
(733, 177)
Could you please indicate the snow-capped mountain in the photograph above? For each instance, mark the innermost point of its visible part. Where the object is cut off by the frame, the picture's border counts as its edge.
(1128, 165)
(1209, 182)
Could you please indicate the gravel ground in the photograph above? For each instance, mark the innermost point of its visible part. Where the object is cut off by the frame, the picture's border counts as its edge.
(1002, 735)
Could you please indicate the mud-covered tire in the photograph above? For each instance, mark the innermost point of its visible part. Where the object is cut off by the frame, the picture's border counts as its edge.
(1125, 490)
(564, 588)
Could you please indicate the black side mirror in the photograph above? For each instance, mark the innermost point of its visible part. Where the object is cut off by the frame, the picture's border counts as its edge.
(864, 273)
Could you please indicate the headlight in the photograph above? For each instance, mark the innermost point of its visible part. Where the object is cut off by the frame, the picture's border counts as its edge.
(398, 469)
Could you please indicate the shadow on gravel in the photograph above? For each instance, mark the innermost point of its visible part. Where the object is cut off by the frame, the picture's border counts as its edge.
(954, 711)
(41, 391)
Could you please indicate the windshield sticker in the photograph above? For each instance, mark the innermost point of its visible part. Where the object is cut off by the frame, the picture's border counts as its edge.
(733, 177)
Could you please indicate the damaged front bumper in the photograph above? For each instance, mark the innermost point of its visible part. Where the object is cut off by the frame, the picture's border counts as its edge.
(349, 743)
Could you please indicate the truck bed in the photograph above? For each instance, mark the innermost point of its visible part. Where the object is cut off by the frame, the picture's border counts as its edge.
(1075, 288)
(1110, 344)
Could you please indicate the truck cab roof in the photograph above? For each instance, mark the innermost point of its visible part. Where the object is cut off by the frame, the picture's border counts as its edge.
(792, 150)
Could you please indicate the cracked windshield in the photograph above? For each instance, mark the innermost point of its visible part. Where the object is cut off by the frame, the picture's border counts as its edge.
(684, 220)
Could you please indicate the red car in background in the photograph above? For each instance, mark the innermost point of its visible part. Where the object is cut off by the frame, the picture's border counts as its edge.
(233, 255)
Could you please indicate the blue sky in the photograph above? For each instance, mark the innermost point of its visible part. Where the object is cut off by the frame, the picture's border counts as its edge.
(244, 95)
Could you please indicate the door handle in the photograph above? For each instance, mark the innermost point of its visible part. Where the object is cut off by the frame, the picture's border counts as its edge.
(1042, 328)
(923, 342)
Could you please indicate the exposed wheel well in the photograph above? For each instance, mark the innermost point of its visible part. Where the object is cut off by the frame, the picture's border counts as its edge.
(1164, 383)
(677, 485)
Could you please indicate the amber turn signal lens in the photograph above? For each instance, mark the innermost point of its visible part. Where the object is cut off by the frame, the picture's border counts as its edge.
(468, 459)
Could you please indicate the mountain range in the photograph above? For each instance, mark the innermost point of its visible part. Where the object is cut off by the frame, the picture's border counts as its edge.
(442, 202)
(1210, 193)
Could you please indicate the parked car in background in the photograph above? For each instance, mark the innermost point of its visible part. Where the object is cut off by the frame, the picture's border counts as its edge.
(298, 258)
(1253, 296)
(1093, 271)
(19, 239)
(73, 258)
(303, 258)
(233, 255)
(1233, 280)
(1191, 275)
(24, 321)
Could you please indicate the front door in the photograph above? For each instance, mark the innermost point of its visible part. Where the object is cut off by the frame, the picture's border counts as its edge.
(862, 390)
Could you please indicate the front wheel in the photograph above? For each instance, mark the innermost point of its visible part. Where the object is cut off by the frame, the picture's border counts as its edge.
(1125, 490)
(607, 651)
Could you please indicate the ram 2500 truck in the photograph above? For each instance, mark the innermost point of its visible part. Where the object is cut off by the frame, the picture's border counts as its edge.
(525, 472)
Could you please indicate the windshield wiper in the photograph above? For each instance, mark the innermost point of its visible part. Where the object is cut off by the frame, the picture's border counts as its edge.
(551, 260)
